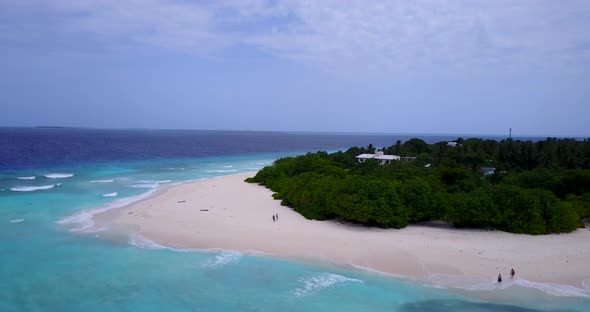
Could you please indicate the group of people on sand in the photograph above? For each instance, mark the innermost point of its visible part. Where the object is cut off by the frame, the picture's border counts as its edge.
(275, 217)
(512, 273)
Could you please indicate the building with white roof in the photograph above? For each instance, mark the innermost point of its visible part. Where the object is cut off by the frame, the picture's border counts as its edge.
(379, 156)
(363, 157)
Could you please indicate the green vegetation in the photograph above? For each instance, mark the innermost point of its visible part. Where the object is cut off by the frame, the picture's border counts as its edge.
(537, 188)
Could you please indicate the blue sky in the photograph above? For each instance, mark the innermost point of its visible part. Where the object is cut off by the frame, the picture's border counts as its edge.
(470, 66)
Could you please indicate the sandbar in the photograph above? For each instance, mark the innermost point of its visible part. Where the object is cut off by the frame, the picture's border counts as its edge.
(228, 213)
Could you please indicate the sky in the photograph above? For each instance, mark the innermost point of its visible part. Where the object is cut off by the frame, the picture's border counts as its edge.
(452, 67)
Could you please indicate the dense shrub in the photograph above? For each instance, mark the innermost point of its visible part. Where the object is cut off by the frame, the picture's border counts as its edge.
(538, 187)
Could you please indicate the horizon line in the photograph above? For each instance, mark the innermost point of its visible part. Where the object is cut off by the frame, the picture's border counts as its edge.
(305, 131)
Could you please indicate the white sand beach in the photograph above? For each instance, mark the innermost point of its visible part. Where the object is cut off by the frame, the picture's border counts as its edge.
(228, 213)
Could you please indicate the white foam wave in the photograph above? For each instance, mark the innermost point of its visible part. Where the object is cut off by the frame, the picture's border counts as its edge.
(142, 242)
(32, 188)
(27, 178)
(321, 281)
(59, 175)
(472, 283)
(144, 185)
(554, 289)
(222, 170)
(148, 184)
(113, 194)
(223, 258)
(374, 271)
(101, 181)
(254, 252)
(83, 220)
(228, 166)
(17, 220)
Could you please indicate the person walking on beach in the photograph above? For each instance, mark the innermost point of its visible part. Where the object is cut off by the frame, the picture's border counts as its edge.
(512, 273)
(277, 217)
(499, 278)
(273, 218)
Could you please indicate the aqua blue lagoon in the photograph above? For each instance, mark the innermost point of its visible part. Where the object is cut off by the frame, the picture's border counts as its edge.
(49, 175)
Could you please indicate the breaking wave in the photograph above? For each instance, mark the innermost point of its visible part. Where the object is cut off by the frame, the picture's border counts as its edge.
(223, 258)
(320, 281)
(148, 184)
(83, 220)
(27, 178)
(58, 175)
(16, 220)
(374, 271)
(473, 283)
(101, 181)
(113, 194)
(142, 242)
(222, 170)
(32, 188)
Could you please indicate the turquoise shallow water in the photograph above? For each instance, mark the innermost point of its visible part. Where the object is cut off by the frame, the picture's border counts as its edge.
(45, 267)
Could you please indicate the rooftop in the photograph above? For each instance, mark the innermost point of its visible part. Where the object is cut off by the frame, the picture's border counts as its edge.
(366, 156)
(387, 157)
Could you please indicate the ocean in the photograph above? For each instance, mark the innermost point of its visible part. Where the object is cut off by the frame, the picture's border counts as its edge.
(53, 180)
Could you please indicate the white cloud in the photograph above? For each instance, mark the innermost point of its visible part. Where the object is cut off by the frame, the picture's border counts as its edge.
(360, 33)
(173, 25)
(432, 32)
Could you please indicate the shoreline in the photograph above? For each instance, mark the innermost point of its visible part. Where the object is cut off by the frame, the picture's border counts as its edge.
(465, 285)
(237, 216)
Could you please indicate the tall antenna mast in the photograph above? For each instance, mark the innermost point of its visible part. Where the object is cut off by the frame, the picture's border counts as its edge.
(510, 133)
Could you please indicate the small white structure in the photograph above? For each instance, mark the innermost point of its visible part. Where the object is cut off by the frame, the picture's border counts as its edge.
(379, 155)
(452, 144)
(363, 157)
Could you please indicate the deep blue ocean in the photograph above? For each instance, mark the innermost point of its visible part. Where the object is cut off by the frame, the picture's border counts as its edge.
(49, 175)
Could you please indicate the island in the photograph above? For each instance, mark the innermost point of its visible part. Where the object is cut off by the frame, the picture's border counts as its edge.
(438, 218)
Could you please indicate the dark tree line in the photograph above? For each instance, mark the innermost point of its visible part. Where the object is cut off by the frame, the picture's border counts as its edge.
(537, 188)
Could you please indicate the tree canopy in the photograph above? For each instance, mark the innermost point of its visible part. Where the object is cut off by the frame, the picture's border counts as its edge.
(533, 187)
